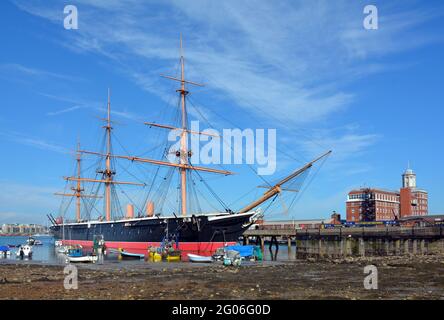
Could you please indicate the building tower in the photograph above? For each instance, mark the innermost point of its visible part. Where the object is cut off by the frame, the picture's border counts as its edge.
(414, 201)
(409, 179)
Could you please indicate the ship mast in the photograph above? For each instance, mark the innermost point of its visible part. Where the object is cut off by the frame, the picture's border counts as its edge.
(78, 190)
(108, 174)
(183, 154)
(277, 188)
(183, 137)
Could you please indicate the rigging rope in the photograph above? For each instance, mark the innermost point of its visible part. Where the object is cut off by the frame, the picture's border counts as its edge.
(226, 143)
(212, 191)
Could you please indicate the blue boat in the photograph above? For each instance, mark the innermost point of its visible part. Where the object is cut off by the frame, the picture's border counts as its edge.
(4, 249)
(244, 251)
(247, 251)
(75, 252)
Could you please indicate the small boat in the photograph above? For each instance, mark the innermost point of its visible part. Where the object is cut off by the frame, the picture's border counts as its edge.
(34, 242)
(131, 255)
(232, 258)
(247, 252)
(155, 256)
(13, 245)
(62, 250)
(75, 252)
(173, 256)
(92, 259)
(24, 251)
(5, 251)
(198, 258)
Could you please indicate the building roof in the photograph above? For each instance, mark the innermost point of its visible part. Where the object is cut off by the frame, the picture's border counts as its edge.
(374, 189)
(433, 217)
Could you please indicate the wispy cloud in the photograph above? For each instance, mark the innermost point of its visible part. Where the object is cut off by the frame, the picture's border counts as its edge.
(55, 113)
(33, 142)
(14, 69)
(92, 105)
(347, 141)
(19, 202)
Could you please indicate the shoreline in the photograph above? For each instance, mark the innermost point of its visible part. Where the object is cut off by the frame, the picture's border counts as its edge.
(398, 278)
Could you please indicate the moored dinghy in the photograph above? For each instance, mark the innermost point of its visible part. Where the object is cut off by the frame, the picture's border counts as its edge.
(198, 258)
(24, 251)
(5, 251)
(75, 254)
(92, 259)
(129, 255)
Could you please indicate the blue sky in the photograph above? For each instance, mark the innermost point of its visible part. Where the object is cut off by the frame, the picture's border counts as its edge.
(307, 68)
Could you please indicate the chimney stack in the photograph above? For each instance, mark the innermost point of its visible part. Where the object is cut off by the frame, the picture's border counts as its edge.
(150, 208)
(129, 211)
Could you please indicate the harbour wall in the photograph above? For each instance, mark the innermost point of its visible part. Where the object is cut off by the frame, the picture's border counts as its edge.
(352, 242)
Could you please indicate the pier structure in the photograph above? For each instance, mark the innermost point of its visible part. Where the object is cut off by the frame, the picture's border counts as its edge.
(343, 242)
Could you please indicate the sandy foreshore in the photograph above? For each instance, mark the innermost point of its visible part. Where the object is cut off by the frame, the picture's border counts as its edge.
(398, 278)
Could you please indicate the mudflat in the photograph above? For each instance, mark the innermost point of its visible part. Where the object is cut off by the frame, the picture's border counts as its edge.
(420, 277)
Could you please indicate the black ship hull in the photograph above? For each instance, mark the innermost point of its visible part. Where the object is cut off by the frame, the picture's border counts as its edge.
(201, 234)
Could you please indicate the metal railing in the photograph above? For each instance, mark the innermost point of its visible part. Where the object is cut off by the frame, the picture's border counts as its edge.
(366, 232)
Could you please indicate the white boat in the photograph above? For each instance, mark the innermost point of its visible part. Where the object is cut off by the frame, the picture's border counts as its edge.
(198, 258)
(62, 250)
(126, 254)
(65, 249)
(92, 259)
(34, 242)
(24, 250)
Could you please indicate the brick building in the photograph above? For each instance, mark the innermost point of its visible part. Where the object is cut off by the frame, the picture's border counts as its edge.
(370, 204)
(374, 204)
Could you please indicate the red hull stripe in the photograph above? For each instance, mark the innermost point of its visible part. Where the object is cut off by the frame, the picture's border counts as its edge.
(201, 248)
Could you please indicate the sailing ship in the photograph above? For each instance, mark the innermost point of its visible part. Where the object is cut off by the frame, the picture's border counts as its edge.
(193, 232)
